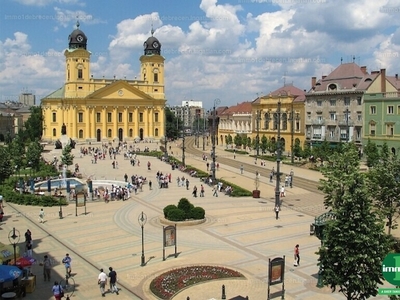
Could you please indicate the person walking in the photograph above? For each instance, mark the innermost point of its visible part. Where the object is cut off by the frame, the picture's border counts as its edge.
(126, 177)
(57, 290)
(29, 249)
(241, 169)
(150, 184)
(277, 209)
(187, 184)
(28, 236)
(208, 166)
(41, 216)
(271, 176)
(215, 190)
(102, 281)
(46, 268)
(201, 191)
(282, 191)
(194, 191)
(113, 281)
(296, 256)
(67, 264)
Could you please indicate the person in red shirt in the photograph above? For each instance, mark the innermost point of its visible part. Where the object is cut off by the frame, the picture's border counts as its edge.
(296, 255)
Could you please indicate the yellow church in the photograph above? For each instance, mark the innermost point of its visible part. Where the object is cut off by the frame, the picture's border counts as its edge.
(102, 110)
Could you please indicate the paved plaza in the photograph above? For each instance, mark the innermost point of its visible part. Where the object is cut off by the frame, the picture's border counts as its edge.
(239, 233)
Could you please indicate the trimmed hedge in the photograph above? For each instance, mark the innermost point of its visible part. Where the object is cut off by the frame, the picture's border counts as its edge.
(168, 208)
(184, 211)
(237, 151)
(197, 213)
(176, 214)
(185, 205)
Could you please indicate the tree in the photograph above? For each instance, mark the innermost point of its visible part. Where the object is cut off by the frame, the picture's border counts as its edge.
(67, 158)
(6, 168)
(17, 151)
(384, 153)
(34, 125)
(173, 124)
(34, 154)
(384, 187)
(297, 152)
(372, 153)
(229, 140)
(354, 244)
(264, 143)
(248, 141)
(238, 140)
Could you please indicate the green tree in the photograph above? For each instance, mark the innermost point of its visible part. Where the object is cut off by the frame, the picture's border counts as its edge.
(67, 158)
(354, 244)
(17, 151)
(384, 153)
(34, 125)
(248, 141)
(297, 152)
(229, 139)
(264, 144)
(238, 140)
(371, 151)
(6, 168)
(173, 124)
(307, 152)
(384, 188)
(34, 154)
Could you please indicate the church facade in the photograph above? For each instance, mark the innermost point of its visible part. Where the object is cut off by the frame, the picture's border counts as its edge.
(102, 110)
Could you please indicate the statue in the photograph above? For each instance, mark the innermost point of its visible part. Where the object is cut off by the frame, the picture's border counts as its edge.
(63, 129)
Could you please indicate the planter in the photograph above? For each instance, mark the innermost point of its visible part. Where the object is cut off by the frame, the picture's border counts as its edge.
(256, 193)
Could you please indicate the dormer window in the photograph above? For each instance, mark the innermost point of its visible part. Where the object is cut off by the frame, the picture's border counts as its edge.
(332, 87)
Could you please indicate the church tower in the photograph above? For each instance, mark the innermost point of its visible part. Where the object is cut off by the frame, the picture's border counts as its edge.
(77, 65)
(152, 67)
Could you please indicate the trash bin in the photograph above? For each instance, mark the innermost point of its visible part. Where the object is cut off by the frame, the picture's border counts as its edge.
(256, 193)
(173, 167)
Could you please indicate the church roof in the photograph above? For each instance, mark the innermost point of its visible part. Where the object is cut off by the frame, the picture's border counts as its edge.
(58, 94)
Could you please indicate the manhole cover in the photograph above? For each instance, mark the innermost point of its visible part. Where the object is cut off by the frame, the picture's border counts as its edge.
(262, 202)
(278, 226)
(300, 215)
(290, 205)
(297, 199)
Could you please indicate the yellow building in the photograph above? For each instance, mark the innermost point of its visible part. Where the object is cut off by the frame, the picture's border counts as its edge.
(107, 109)
(265, 116)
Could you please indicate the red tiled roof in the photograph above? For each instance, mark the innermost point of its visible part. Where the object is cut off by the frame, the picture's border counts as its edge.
(289, 89)
(394, 81)
(244, 107)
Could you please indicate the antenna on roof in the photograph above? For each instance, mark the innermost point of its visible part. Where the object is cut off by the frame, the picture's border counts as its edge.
(152, 29)
(341, 60)
(77, 22)
(284, 78)
(354, 58)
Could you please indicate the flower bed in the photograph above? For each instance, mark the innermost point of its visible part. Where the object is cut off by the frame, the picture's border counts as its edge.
(166, 285)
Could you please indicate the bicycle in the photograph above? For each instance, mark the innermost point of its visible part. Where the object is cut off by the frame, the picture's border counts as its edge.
(68, 286)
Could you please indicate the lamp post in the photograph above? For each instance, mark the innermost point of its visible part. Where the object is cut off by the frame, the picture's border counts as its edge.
(14, 237)
(278, 156)
(347, 125)
(292, 134)
(60, 213)
(165, 131)
(204, 130)
(216, 102)
(198, 129)
(258, 134)
(183, 136)
(142, 219)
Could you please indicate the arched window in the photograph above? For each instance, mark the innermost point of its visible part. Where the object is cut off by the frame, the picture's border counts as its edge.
(284, 121)
(54, 132)
(130, 133)
(156, 132)
(80, 134)
(267, 119)
(109, 133)
(275, 121)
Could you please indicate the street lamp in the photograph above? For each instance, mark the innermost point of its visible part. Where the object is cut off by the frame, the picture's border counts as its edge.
(183, 135)
(142, 219)
(216, 102)
(258, 134)
(165, 131)
(204, 130)
(198, 129)
(278, 156)
(292, 134)
(14, 237)
(347, 125)
(60, 213)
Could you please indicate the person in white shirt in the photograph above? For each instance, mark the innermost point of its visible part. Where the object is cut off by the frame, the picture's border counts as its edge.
(102, 281)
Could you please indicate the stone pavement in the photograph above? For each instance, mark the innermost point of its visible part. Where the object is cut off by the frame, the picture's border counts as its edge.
(239, 233)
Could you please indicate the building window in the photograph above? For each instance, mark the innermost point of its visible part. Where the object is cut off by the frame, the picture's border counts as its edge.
(155, 77)
(372, 110)
(319, 119)
(359, 117)
(119, 117)
(343, 134)
(54, 117)
(130, 117)
(109, 117)
(297, 125)
(130, 132)
(347, 101)
(333, 116)
(275, 121)
(319, 103)
(358, 135)
(359, 101)
(389, 129)
(267, 118)
(80, 75)
(308, 115)
(80, 134)
(156, 132)
(109, 133)
(332, 133)
(390, 110)
(140, 117)
(317, 134)
(284, 121)
(372, 129)
(80, 117)
(156, 117)
(332, 102)
(54, 132)
(98, 117)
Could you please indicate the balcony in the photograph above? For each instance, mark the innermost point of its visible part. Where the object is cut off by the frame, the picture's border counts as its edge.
(346, 123)
(317, 122)
(331, 122)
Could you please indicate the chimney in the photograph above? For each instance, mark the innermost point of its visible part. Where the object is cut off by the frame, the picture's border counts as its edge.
(364, 69)
(383, 80)
(313, 81)
(374, 72)
(397, 76)
(323, 76)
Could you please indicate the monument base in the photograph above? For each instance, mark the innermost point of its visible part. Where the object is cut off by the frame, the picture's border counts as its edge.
(64, 139)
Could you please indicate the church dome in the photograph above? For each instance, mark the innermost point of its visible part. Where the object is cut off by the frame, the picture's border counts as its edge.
(77, 38)
(152, 45)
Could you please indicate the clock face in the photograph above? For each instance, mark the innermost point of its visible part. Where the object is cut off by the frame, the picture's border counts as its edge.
(145, 45)
(120, 92)
(79, 38)
(155, 45)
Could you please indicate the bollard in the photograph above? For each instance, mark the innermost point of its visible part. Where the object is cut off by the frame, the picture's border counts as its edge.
(188, 298)
(223, 292)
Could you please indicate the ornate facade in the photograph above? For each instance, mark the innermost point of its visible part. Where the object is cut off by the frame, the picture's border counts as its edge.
(97, 110)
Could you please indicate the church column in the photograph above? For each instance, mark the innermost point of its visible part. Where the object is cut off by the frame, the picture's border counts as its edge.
(126, 118)
(87, 134)
(104, 121)
(137, 127)
(74, 114)
(151, 122)
(115, 130)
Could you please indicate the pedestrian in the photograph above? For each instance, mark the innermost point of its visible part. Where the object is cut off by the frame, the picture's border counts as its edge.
(113, 281)
(194, 193)
(217, 166)
(28, 247)
(215, 190)
(28, 236)
(271, 176)
(296, 256)
(277, 209)
(187, 184)
(126, 177)
(208, 166)
(202, 191)
(241, 169)
(282, 191)
(150, 184)
(57, 290)
(46, 268)
(41, 216)
(67, 264)
(102, 281)
(291, 178)
(148, 165)
(113, 164)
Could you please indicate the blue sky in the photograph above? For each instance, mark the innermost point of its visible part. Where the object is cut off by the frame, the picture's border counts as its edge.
(232, 50)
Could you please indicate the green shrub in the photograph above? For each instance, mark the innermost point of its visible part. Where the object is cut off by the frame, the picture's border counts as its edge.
(176, 214)
(197, 213)
(167, 209)
(237, 151)
(185, 205)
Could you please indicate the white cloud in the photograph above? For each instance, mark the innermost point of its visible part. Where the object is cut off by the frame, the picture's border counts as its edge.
(65, 17)
(47, 2)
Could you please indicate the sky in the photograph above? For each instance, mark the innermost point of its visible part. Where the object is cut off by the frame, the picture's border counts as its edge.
(231, 50)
